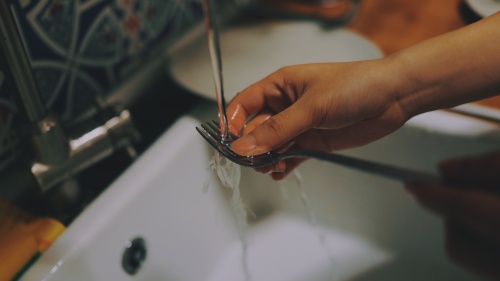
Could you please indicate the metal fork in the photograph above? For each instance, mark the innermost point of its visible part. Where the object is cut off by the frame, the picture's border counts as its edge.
(211, 132)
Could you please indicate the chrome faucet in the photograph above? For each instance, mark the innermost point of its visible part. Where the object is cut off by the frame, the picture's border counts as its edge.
(47, 138)
(55, 155)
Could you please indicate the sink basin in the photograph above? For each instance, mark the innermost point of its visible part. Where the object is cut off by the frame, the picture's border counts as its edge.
(353, 226)
(253, 50)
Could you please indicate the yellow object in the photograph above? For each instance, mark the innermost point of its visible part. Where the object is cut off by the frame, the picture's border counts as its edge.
(17, 247)
(46, 231)
(22, 238)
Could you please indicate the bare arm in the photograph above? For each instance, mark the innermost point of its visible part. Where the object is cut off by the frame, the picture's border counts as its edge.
(451, 69)
(333, 106)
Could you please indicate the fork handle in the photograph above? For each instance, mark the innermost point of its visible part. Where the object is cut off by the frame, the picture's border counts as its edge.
(388, 171)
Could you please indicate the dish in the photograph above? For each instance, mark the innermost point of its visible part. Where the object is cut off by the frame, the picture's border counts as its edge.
(484, 8)
(251, 52)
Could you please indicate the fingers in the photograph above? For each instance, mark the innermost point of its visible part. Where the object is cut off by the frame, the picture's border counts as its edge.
(277, 94)
(258, 119)
(280, 170)
(471, 250)
(267, 94)
(478, 210)
(291, 164)
(278, 167)
(274, 132)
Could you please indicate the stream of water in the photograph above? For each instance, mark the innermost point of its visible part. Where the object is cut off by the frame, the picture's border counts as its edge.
(216, 62)
(228, 172)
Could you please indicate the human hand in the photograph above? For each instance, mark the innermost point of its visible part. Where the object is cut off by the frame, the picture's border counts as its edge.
(472, 214)
(326, 107)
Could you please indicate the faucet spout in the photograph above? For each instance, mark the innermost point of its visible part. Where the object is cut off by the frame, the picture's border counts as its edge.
(56, 155)
(117, 133)
(48, 140)
(19, 65)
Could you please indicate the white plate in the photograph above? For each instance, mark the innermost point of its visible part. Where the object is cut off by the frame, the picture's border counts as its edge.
(484, 8)
(249, 53)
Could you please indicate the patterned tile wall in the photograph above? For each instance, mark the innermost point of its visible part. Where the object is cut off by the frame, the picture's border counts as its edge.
(7, 113)
(80, 49)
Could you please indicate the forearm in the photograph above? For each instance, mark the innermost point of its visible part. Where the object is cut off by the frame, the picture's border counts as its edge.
(448, 70)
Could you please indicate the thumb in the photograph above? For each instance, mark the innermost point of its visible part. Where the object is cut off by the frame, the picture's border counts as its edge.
(273, 132)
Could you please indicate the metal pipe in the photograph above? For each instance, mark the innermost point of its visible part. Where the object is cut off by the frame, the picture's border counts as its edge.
(95, 145)
(11, 45)
(47, 138)
(56, 158)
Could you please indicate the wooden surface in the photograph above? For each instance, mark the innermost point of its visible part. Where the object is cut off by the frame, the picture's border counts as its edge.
(391, 24)
(396, 24)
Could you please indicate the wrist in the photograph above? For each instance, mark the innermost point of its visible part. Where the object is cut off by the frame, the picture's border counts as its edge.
(447, 70)
(394, 84)
(404, 86)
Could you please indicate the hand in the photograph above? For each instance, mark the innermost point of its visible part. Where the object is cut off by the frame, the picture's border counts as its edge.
(332, 106)
(471, 214)
(327, 107)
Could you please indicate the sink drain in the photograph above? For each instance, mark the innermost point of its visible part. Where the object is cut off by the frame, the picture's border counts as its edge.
(134, 255)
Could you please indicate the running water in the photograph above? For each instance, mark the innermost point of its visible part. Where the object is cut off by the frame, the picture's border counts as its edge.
(228, 172)
(297, 176)
(216, 61)
(229, 175)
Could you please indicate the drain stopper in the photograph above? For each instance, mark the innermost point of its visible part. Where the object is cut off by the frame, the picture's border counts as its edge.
(134, 255)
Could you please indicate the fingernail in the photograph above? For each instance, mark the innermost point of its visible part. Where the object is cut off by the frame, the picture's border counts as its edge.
(244, 145)
(280, 167)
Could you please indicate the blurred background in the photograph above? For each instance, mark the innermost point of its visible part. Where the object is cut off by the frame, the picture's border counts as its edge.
(99, 91)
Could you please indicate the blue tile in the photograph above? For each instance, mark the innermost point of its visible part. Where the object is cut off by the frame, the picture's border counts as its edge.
(80, 49)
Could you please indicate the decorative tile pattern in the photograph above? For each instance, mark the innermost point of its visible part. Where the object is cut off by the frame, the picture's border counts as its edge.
(7, 114)
(81, 49)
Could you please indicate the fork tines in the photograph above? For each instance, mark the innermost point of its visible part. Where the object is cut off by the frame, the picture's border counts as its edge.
(210, 135)
(232, 136)
(213, 135)
(211, 132)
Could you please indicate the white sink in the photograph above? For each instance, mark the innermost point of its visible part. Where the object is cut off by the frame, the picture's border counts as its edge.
(366, 227)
